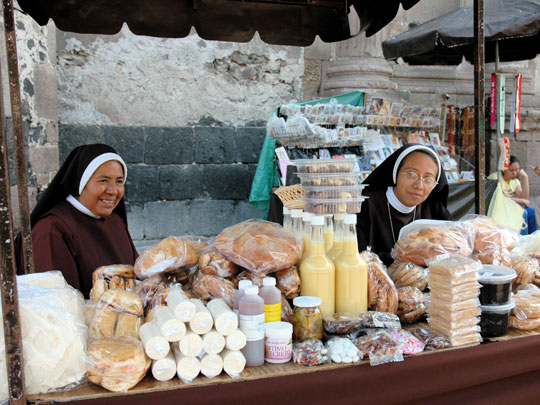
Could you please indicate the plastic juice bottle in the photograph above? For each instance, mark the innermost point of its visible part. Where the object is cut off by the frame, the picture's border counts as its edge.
(251, 310)
(272, 300)
(240, 293)
(317, 272)
(334, 252)
(351, 272)
(306, 234)
(328, 232)
(287, 221)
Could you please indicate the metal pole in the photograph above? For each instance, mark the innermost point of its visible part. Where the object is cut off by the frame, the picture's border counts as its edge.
(18, 136)
(479, 109)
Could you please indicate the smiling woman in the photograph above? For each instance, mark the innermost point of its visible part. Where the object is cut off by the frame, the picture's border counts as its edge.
(80, 223)
(409, 185)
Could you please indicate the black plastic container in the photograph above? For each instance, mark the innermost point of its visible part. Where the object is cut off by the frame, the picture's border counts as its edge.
(496, 284)
(494, 319)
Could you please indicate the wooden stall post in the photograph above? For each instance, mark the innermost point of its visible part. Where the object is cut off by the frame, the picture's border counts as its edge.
(479, 110)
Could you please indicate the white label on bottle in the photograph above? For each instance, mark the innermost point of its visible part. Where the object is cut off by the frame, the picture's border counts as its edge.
(252, 326)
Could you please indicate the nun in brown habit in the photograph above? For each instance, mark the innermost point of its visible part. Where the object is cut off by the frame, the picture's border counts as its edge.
(80, 222)
(408, 185)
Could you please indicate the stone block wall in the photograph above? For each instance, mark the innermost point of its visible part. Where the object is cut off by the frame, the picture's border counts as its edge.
(187, 180)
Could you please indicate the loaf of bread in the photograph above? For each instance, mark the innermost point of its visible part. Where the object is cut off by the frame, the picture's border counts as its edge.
(408, 275)
(411, 304)
(209, 287)
(117, 313)
(382, 293)
(170, 254)
(526, 268)
(255, 278)
(259, 246)
(117, 363)
(488, 234)
(109, 277)
(288, 282)
(213, 263)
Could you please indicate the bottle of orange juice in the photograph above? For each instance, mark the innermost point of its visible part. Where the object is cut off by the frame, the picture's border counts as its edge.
(317, 272)
(335, 250)
(328, 232)
(306, 234)
(351, 272)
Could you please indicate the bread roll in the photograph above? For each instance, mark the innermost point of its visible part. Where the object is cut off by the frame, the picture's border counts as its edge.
(208, 287)
(288, 282)
(213, 263)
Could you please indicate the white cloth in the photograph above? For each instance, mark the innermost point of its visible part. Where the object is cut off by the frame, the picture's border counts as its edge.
(394, 202)
(80, 207)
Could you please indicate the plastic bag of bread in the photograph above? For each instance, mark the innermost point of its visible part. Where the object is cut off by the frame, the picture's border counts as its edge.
(117, 363)
(213, 263)
(488, 234)
(286, 310)
(432, 339)
(423, 240)
(170, 254)
(109, 277)
(259, 246)
(526, 313)
(405, 274)
(118, 313)
(526, 268)
(208, 287)
(411, 304)
(527, 244)
(147, 288)
(496, 256)
(288, 282)
(256, 278)
(382, 293)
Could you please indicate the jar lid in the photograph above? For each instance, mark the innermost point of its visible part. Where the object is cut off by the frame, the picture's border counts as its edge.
(498, 308)
(493, 274)
(278, 328)
(307, 301)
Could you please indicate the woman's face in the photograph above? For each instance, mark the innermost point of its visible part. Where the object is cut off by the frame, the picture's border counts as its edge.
(105, 189)
(513, 171)
(412, 191)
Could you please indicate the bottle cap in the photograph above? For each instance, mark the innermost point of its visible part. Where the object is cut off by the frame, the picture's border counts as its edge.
(339, 217)
(307, 301)
(243, 284)
(286, 210)
(350, 219)
(251, 290)
(269, 281)
(317, 220)
(306, 216)
(295, 213)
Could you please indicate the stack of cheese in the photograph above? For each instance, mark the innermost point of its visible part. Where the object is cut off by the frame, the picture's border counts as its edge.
(455, 309)
(187, 338)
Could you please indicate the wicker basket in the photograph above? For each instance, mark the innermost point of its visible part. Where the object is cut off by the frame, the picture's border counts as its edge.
(291, 196)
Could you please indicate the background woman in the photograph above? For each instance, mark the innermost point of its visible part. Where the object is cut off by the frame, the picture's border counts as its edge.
(80, 222)
(410, 184)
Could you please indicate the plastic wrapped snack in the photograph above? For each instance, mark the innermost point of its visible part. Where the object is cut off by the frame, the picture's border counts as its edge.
(466, 339)
(380, 348)
(527, 244)
(117, 313)
(451, 331)
(342, 323)
(288, 282)
(411, 304)
(454, 295)
(527, 304)
(468, 278)
(286, 310)
(408, 343)
(117, 363)
(526, 268)
(488, 234)
(406, 274)
(170, 254)
(421, 246)
(382, 293)
(343, 350)
(152, 285)
(432, 339)
(310, 353)
(373, 319)
(443, 313)
(213, 263)
(259, 246)
(114, 276)
(495, 256)
(455, 267)
(470, 304)
(209, 287)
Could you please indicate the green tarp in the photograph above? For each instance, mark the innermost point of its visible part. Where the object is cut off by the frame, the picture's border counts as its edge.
(266, 176)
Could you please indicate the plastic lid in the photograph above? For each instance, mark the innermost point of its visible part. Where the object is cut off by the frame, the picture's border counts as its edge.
(339, 217)
(493, 274)
(317, 220)
(251, 290)
(306, 216)
(498, 308)
(243, 284)
(307, 301)
(350, 219)
(296, 213)
(286, 210)
(269, 281)
(278, 328)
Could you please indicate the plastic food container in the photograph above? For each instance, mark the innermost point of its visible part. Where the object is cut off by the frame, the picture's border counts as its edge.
(333, 206)
(328, 179)
(307, 318)
(494, 319)
(278, 342)
(496, 282)
(326, 193)
(325, 165)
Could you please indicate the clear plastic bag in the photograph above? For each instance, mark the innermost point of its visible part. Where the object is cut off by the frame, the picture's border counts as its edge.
(455, 267)
(526, 268)
(288, 282)
(488, 234)
(411, 304)
(343, 350)
(527, 304)
(382, 293)
(406, 274)
(408, 343)
(109, 277)
(380, 348)
(208, 287)
(259, 246)
(310, 353)
(432, 339)
(213, 263)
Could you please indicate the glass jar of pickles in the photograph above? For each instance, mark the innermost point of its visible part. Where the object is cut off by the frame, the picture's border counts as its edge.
(307, 318)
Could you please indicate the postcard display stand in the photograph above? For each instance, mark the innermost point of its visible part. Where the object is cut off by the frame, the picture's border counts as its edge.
(369, 132)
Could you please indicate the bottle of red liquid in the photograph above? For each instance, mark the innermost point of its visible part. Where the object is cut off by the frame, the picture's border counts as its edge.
(251, 315)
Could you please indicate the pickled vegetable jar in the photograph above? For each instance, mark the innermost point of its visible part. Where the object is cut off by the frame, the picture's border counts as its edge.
(307, 318)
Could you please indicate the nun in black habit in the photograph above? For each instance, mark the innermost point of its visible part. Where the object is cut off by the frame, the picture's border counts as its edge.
(408, 185)
(80, 222)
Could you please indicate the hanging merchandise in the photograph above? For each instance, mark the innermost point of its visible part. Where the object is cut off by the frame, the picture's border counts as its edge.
(451, 129)
(515, 123)
(501, 89)
(467, 142)
(493, 99)
(504, 154)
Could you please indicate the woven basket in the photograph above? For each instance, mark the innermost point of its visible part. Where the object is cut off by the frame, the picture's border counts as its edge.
(291, 196)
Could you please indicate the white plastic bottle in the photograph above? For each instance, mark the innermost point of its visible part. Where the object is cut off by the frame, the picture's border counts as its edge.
(251, 312)
(272, 300)
(239, 294)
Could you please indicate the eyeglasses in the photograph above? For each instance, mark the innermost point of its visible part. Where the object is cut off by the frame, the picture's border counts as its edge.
(428, 181)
